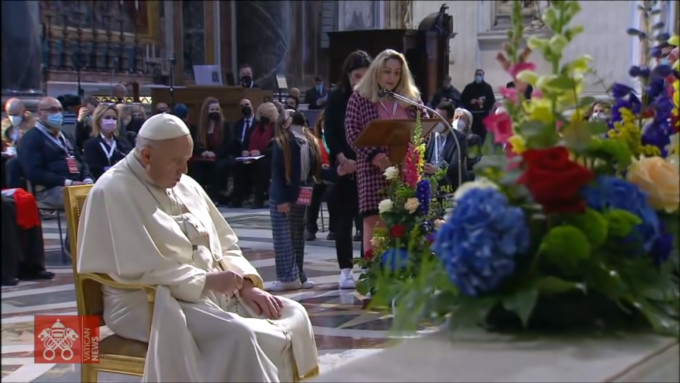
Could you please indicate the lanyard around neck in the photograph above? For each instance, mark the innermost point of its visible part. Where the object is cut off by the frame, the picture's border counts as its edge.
(108, 153)
(60, 140)
(394, 108)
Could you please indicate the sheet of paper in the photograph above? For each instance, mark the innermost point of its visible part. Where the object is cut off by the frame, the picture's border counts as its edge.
(248, 158)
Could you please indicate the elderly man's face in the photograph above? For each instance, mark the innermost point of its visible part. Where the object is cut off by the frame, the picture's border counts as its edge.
(15, 109)
(167, 160)
(49, 106)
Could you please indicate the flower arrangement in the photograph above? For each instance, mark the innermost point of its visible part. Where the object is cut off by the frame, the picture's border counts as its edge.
(574, 224)
(409, 212)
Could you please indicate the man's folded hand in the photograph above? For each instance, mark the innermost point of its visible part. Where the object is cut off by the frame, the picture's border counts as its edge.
(225, 282)
(262, 302)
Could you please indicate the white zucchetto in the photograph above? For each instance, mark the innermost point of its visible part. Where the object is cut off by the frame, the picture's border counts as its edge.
(164, 126)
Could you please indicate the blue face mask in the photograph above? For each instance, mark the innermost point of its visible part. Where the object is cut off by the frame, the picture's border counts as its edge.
(319, 88)
(479, 78)
(55, 120)
(665, 61)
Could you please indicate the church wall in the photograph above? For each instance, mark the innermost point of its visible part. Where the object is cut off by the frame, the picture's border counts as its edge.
(477, 41)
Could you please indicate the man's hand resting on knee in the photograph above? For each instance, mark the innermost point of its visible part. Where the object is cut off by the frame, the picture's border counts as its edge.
(261, 301)
(225, 282)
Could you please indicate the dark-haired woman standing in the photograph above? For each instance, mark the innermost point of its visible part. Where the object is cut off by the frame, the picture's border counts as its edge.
(345, 196)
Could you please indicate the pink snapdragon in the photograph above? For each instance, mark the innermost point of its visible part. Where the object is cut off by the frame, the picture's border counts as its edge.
(500, 125)
(410, 173)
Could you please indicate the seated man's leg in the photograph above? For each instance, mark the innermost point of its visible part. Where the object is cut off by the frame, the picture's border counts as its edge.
(14, 174)
(52, 197)
(11, 250)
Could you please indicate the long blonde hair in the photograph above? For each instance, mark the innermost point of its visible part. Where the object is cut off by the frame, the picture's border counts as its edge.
(368, 87)
(282, 138)
(204, 121)
(97, 119)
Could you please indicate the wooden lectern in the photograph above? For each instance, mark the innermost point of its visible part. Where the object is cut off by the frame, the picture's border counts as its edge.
(229, 97)
(394, 134)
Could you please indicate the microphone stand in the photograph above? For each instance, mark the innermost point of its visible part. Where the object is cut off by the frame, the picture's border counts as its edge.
(391, 94)
(172, 81)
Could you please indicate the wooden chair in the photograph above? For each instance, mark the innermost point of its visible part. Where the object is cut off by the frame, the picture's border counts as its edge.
(117, 354)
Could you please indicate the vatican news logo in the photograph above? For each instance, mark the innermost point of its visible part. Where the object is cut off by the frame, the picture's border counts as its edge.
(66, 339)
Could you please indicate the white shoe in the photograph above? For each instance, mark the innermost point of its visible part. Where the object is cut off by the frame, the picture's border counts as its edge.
(347, 279)
(307, 284)
(285, 286)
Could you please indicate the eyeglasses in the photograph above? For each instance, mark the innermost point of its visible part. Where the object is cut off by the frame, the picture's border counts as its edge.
(53, 109)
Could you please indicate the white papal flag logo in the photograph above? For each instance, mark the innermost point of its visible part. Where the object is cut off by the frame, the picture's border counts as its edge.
(58, 337)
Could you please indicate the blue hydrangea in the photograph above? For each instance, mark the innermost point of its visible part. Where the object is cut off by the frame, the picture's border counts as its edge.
(609, 192)
(481, 241)
(423, 195)
(394, 259)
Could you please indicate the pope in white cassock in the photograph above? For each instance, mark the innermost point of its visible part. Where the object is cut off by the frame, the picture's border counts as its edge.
(144, 221)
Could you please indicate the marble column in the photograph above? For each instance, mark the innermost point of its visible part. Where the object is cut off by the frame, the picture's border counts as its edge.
(264, 32)
(21, 49)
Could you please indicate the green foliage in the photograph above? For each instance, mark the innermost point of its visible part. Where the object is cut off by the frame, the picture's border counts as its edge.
(565, 247)
(522, 303)
(620, 222)
(592, 224)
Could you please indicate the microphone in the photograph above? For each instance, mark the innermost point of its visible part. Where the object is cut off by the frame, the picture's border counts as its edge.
(384, 93)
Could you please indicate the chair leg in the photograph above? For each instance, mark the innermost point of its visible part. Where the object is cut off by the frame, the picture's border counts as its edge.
(88, 374)
(61, 239)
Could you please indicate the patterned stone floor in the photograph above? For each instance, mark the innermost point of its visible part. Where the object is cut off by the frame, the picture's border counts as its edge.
(343, 330)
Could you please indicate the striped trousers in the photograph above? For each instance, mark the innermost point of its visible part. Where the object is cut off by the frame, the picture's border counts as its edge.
(289, 242)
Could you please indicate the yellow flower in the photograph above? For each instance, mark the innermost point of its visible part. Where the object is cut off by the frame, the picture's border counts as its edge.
(541, 110)
(518, 144)
(659, 179)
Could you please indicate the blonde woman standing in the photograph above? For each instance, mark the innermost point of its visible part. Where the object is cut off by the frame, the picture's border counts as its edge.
(388, 71)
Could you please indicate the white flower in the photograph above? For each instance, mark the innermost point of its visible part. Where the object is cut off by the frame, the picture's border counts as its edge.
(391, 173)
(481, 183)
(385, 206)
(411, 205)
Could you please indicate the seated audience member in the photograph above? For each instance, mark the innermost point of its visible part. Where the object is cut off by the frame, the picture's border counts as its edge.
(14, 126)
(442, 151)
(23, 251)
(241, 136)
(245, 76)
(104, 149)
(212, 321)
(599, 112)
(316, 97)
(84, 125)
(256, 173)
(49, 157)
(320, 189)
(69, 103)
(295, 92)
(447, 93)
(292, 103)
(212, 161)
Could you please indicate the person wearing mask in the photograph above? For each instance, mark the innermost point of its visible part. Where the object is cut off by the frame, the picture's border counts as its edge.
(296, 164)
(256, 173)
(245, 76)
(84, 124)
(14, 126)
(242, 129)
(49, 157)
(527, 91)
(345, 197)
(599, 112)
(388, 71)
(479, 99)
(316, 97)
(212, 161)
(292, 103)
(162, 107)
(104, 149)
(448, 93)
(442, 152)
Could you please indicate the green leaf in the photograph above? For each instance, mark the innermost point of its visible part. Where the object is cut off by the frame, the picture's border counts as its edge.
(558, 43)
(562, 82)
(566, 248)
(597, 128)
(531, 128)
(620, 222)
(611, 150)
(522, 303)
(471, 312)
(661, 322)
(633, 32)
(573, 32)
(659, 25)
(577, 137)
(592, 224)
(553, 285)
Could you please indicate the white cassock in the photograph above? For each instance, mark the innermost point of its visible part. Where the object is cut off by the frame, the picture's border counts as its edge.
(138, 233)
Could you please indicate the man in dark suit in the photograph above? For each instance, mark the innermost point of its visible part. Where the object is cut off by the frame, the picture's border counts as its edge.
(241, 134)
(245, 76)
(442, 150)
(317, 96)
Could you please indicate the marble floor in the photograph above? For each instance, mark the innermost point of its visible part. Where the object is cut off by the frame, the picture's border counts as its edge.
(343, 330)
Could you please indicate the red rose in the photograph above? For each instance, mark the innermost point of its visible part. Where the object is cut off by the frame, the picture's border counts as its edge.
(555, 181)
(397, 231)
(368, 254)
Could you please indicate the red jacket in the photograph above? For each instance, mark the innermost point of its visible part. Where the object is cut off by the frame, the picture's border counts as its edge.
(259, 138)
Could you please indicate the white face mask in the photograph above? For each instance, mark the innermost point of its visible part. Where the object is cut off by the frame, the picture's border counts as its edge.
(16, 120)
(601, 117)
(459, 125)
(440, 128)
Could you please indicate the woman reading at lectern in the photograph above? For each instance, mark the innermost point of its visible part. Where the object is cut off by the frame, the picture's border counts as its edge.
(388, 71)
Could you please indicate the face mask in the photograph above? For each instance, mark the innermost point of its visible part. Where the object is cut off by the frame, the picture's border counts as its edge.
(16, 120)
(246, 111)
(55, 120)
(460, 125)
(319, 88)
(440, 128)
(599, 117)
(264, 120)
(109, 125)
(665, 61)
(215, 116)
(479, 78)
(246, 80)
